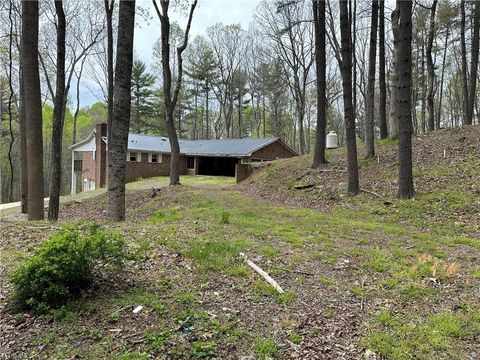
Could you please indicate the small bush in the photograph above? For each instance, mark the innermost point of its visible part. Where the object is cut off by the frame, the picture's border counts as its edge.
(64, 265)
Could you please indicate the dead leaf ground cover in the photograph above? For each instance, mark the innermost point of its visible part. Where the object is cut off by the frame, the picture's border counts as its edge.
(364, 275)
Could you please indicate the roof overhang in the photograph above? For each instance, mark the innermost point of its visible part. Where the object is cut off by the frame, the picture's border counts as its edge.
(84, 141)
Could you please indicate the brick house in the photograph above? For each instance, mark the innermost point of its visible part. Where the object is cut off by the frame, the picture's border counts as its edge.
(149, 156)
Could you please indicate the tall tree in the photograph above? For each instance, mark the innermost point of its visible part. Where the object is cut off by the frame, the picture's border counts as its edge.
(202, 68)
(33, 108)
(144, 107)
(394, 82)
(474, 61)
(58, 116)
(370, 98)
(117, 147)
(403, 55)
(292, 41)
(109, 6)
(171, 97)
(353, 185)
(228, 43)
(431, 69)
(469, 82)
(381, 74)
(23, 140)
(321, 68)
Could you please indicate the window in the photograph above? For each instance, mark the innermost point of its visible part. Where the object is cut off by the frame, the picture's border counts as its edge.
(155, 158)
(190, 162)
(133, 156)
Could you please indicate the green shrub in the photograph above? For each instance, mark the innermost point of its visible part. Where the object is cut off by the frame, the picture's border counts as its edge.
(64, 265)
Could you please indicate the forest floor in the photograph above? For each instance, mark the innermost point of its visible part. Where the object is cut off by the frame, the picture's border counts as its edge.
(366, 276)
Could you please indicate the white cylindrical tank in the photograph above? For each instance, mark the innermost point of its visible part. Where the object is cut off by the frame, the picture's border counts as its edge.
(332, 142)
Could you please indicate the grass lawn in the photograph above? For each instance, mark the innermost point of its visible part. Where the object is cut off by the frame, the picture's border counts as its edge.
(356, 279)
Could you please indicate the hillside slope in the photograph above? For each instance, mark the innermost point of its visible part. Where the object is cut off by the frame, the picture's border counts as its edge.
(365, 277)
(446, 167)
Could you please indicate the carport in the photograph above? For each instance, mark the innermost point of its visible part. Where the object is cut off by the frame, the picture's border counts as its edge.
(217, 166)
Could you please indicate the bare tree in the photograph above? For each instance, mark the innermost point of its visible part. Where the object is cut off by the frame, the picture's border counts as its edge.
(33, 108)
(291, 35)
(228, 43)
(117, 146)
(171, 97)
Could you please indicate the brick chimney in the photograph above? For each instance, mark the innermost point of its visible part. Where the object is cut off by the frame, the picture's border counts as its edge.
(100, 155)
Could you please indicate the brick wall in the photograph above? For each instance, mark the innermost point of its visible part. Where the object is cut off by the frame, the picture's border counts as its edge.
(242, 171)
(276, 150)
(143, 169)
(88, 165)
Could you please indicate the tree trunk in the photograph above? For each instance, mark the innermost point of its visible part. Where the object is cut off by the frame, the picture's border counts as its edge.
(430, 69)
(77, 108)
(10, 101)
(439, 112)
(23, 142)
(381, 60)
(109, 6)
(467, 120)
(301, 131)
(206, 106)
(474, 61)
(403, 53)
(194, 137)
(393, 93)
(321, 67)
(264, 118)
(117, 146)
(58, 110)
(353, 186)
(240, 113)
(33, 109)
(424, 89)
(370, 100)
(171, 97)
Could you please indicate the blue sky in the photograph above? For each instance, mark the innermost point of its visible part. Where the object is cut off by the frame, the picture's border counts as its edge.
(207, 13)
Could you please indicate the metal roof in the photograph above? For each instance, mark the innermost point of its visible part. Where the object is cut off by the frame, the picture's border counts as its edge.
(221, 147)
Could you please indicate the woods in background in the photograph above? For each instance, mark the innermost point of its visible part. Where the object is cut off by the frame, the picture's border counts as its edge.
(365, 69)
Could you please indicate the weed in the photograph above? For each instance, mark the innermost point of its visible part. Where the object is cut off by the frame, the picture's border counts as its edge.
(225, 218)
(203, 349)
(476, 273)
(295, 338)
(265, 348)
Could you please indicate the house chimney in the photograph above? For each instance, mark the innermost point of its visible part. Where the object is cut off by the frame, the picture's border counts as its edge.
(100, 155)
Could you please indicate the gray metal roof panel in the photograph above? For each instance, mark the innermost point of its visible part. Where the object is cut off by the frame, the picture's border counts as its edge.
(221, 147)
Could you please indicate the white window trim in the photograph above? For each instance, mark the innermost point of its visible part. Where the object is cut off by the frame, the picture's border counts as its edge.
(159, 158)
(139, 155)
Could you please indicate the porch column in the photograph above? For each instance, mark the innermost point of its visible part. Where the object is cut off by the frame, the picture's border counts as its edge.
(74, 176)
